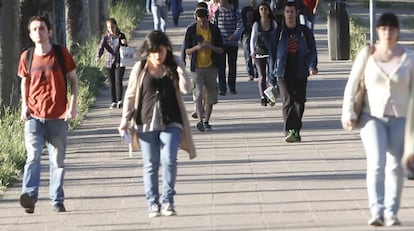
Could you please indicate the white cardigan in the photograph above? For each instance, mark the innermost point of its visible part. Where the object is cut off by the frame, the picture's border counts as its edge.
(396, 87)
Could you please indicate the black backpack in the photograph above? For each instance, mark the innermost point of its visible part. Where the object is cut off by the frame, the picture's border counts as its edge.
(57, 49)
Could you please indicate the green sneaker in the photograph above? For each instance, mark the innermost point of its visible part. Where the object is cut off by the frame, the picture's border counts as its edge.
(292, 136)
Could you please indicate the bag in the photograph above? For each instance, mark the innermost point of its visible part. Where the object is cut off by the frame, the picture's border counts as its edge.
(127, 56)
(359, 98)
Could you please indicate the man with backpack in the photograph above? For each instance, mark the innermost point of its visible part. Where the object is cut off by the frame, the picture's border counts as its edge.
(229, 21)
(294, 58)
(45, 111)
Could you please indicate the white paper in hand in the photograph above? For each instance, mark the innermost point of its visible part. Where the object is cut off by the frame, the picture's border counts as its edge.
(126, 136)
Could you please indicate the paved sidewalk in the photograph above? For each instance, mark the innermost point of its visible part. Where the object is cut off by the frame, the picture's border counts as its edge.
(244, 178)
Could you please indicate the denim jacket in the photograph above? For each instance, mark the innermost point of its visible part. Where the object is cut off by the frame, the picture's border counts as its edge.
(308, 59)
(191, 40)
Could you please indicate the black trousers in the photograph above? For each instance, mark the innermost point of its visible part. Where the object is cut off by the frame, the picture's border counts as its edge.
(293, 96)
(116, 76)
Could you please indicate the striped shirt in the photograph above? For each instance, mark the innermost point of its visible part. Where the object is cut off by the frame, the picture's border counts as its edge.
(230, 23)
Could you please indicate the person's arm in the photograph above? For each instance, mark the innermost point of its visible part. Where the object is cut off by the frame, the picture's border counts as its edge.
(74, 87)
(25, 114)
(348, 114)
(253, 39)
(184, 81)
(312, 52)
(239, 28)
(315, 9)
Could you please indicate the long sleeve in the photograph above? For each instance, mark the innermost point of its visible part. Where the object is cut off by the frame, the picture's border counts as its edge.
(253, 38)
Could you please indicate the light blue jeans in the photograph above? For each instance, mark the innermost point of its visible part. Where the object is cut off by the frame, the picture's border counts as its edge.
(53, 133)
(383, 140)
(159, 15)
(160, 147)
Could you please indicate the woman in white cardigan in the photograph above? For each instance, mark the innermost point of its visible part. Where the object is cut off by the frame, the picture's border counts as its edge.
(389, 80)
(154, 104)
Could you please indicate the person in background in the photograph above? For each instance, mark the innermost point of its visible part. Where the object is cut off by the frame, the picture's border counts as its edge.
(229, 21)
(389, 78)
(176, 9)
(45, 112)
(311, 6)
(203, 43)
(111, 42)
(154, 106)
(247, 16)
(294, 58)
(212, 8)
(159, 11)
(264, 27)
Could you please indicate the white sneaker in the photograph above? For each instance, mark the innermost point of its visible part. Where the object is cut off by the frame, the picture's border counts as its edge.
(392, 221)
(168, 210)
(376, 221)
(153, 211)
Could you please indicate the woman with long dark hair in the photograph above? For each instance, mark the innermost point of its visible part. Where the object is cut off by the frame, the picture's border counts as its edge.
(111, 42)
(155, 109)
(264, 26)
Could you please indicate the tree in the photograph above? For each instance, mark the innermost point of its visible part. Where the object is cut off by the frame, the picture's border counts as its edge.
(78, 26)
(9, 30)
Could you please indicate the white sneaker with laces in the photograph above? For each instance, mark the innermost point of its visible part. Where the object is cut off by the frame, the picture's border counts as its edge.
(168, 210)
(376, 221)
(153, 211)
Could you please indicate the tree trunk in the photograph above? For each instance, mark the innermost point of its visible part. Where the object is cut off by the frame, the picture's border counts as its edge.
(59, 22)
(103, 15)
(94, 17)
(78, 26)
(9, 31)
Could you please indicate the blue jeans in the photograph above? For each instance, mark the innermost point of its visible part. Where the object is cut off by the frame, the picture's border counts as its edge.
(160, 147)
(159, 14)
(247, 57)
(383, 140)
(54, 133)
(231, 53)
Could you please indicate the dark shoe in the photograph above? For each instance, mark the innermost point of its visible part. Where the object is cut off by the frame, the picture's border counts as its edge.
(207, 126)
(27, 203)
(222, 93)
(113, 105)
(263, 101)
(119, 104)
(251, 78)
(59, 207)
(233, 92)
(200, 126)
(175, 21)
(292, 136)
(194, 115)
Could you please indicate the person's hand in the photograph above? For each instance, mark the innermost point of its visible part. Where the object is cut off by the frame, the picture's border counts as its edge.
(25, 114)
(349, 125)
(70, 114)
(123, 41)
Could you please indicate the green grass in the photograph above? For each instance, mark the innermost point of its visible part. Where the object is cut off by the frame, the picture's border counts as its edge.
(91, 79)
(358, 36)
